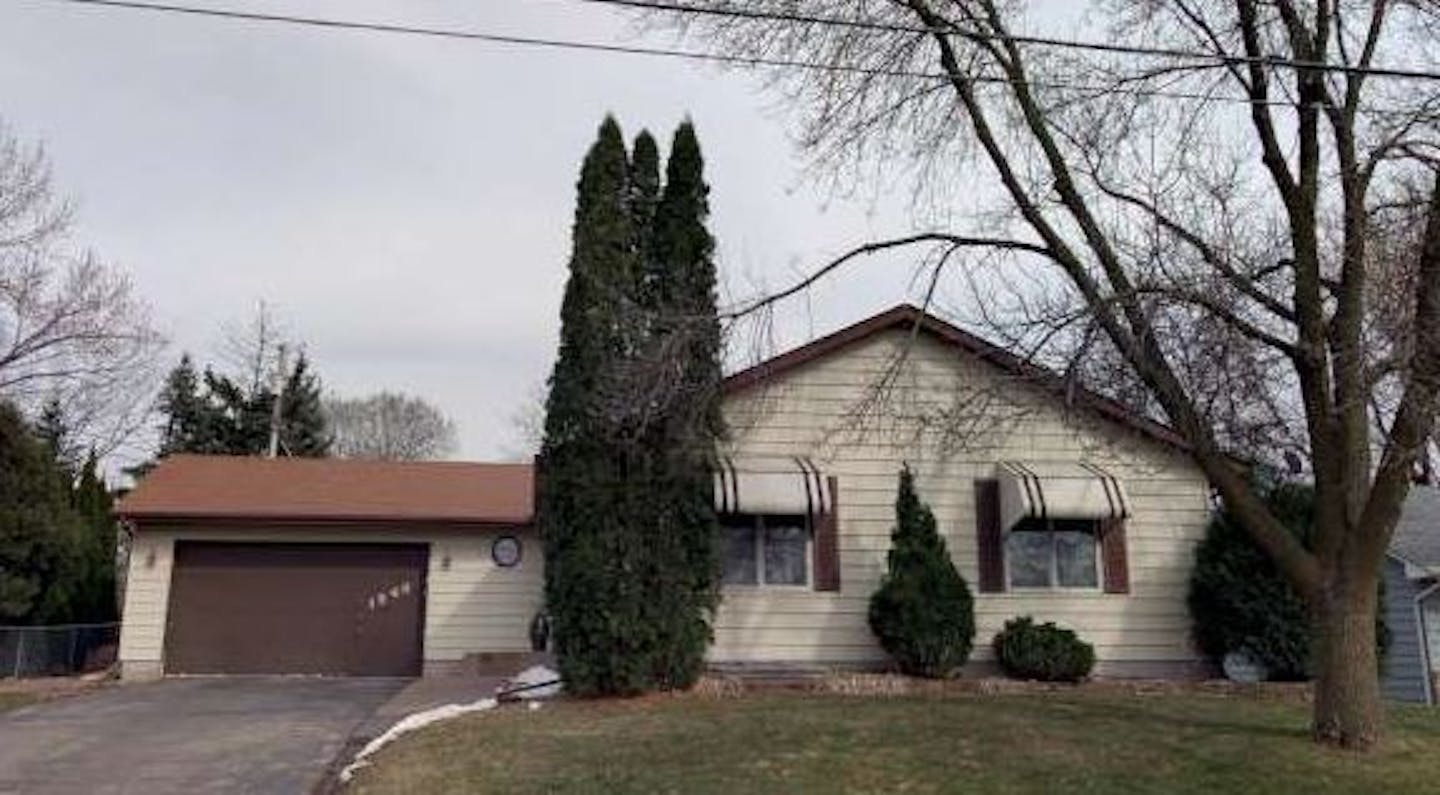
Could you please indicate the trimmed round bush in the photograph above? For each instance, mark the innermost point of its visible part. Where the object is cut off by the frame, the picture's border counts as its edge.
(1042, 652)
(922, 614)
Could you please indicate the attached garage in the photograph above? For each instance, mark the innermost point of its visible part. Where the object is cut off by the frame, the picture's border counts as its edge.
(325, 567)
(338, 609)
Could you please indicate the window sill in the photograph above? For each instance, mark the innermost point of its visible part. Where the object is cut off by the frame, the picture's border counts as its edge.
(761, 588)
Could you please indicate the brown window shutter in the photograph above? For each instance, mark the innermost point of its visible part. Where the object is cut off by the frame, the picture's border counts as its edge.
(990, 544)
(827, 543)
(1114, 555)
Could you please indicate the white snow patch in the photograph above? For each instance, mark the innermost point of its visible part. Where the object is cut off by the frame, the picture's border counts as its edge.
(534, 675)
(410, 723)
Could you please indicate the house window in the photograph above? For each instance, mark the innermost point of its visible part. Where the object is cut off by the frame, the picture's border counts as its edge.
(766, 550)
(1053, 553)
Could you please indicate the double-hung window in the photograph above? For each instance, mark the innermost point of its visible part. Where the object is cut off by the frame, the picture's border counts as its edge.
(766, 550)
(1053, 553)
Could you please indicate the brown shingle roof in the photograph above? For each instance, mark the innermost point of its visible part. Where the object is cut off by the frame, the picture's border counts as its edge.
(906, 316)
(309, 489)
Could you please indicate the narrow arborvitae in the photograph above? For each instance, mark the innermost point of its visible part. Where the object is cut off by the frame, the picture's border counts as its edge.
(922, 614)
(631, 426)
(681, 443)
(592, 595)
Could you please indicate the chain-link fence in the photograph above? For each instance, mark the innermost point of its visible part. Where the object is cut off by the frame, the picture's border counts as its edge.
(57, 650)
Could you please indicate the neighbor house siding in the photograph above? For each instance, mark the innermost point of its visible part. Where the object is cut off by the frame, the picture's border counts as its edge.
(818, 410)
(1404, 672)
(472, 605)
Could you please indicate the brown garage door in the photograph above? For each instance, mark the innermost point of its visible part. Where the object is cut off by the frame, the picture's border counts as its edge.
(338, 609)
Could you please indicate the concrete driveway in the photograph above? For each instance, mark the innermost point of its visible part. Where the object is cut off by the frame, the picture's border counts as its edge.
(270, 735)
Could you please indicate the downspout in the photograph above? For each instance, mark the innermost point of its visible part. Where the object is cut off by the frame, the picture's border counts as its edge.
(1419, 607)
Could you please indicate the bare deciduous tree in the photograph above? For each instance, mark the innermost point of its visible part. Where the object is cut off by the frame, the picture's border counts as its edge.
(389, 426)
(71, 327)
(1206, 209)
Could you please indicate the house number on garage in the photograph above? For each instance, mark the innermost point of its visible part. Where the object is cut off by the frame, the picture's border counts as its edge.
(393, 593)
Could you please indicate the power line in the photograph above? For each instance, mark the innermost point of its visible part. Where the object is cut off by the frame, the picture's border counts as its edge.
(494, 38)
(692, 55)
(1044, 41)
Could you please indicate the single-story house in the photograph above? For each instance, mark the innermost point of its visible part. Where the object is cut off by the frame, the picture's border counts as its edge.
(1055, 503)
(1412, 600)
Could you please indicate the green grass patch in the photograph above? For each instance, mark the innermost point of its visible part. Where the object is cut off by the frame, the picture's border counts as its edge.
(789, 742)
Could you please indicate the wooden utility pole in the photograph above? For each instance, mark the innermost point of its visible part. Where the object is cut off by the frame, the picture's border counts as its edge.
(278, 389)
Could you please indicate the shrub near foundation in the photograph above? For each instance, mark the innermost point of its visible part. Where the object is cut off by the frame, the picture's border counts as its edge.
(1042, 652)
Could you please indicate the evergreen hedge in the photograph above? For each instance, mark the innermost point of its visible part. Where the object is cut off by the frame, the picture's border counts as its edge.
(922, 614)
(1239, 600)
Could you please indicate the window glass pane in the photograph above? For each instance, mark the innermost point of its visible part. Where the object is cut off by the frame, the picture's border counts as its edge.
(1027, 554)
(740, 560)
(785, 559)
(1075, 559)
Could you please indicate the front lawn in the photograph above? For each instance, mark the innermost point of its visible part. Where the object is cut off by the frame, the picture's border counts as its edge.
(1072, 742)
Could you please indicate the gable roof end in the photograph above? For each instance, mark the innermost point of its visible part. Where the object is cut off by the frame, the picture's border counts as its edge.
(907, 317)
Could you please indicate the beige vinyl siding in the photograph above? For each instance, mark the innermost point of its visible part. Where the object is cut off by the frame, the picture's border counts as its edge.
(472, 605)
(813, 411)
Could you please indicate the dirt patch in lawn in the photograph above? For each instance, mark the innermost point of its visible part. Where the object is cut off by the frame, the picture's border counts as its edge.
(16, 693)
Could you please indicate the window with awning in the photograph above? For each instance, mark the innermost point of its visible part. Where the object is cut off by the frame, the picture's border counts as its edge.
(780, 523)
(1059, 491)
(1052, 525)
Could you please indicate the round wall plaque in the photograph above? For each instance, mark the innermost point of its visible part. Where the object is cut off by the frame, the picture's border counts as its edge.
(505, 551)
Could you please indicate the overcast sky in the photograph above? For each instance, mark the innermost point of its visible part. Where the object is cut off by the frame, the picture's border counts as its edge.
(404, 203)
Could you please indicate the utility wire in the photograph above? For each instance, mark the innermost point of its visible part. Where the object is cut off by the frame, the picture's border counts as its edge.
(979, 35)
(692, 55)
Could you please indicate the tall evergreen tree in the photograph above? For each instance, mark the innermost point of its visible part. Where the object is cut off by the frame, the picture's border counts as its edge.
(632, 421)
(39, 531)
(95, 598)
(213, 414)
(680, 446)
(192, 424)
(303, 430)
(591, 553)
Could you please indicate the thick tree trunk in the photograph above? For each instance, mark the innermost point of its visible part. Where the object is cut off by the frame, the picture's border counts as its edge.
(1348, 711)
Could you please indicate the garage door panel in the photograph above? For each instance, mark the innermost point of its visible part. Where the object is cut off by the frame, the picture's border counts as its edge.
(338, 609)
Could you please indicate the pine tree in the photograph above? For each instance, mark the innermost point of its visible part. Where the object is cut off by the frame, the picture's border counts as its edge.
(922, 614)
(53, 431)
(91, 499)
(591, 553)
(213, 414)
(192, 423)
(39, 530)
(303, 430)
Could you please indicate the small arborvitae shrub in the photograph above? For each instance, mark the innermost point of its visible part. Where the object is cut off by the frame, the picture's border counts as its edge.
(922, 614)
(1042, 652)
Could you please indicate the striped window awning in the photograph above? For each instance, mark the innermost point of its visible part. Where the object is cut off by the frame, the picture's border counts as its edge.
(1058, 491)
(771, 486)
